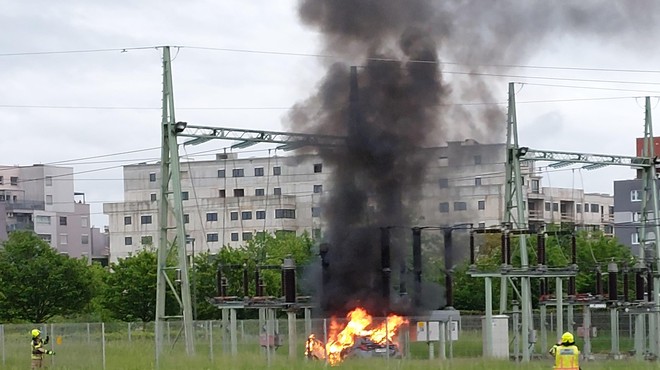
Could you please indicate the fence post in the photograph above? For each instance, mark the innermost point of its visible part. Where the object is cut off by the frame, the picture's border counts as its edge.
(2, 333)
(129, 332)
(210, 324)
(52, 344)
(88, 334)
(103, 342)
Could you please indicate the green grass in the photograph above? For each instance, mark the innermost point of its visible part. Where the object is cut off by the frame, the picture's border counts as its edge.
(139, 354)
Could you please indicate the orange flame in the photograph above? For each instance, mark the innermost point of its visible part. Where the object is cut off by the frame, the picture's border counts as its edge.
(341, 338)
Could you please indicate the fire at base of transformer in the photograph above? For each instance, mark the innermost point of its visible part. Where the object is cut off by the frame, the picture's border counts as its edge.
(360, 337)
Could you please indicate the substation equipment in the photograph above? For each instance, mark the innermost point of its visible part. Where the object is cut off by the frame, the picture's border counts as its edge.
(268, 306)
(439, 325)
(515, 223)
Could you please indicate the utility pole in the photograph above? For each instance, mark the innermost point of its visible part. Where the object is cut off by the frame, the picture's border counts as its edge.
(171, 210)
(650, 195)
(514, 199)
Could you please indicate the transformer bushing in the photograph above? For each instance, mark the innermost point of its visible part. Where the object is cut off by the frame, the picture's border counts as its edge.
(289, 273)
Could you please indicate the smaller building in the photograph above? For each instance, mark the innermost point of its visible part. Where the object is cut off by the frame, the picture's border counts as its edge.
(628, 213)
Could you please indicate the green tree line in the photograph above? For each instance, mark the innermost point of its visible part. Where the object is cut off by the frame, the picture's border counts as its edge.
(38, 284)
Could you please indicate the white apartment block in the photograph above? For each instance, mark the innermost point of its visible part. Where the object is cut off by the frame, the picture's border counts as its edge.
(230, 199)
(41, 198)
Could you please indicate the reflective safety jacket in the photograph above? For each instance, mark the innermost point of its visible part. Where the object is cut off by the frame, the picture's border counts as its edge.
(38, 349)
(567, 357)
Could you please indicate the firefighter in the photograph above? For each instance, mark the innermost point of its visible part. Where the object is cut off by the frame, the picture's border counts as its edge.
(38, 350)
(567, 355)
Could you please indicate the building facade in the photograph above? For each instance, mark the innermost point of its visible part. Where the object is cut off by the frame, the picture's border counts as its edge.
(628, 211)
(41, 199)
(227, 201)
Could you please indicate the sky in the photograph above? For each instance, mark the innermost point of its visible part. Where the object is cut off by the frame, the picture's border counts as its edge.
(243, 64)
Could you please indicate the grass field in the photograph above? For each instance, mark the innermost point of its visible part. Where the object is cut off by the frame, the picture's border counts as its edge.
(139, 354)
(79, 349)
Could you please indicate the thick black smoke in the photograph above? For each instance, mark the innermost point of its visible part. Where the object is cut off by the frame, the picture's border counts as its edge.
(395, 103)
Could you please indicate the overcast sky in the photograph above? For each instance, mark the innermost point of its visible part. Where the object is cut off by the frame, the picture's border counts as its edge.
(254, 90)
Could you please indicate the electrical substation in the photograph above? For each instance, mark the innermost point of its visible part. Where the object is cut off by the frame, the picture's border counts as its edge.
(515, 230)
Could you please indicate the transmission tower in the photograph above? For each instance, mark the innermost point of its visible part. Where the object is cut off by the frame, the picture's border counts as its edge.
(170, 217)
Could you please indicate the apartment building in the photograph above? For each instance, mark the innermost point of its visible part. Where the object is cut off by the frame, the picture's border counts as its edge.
(228, 200)
(627, 213)
(41, 199)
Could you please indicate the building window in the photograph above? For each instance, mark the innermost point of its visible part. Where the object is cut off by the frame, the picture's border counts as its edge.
(481, 205)
(234, 237)
(2, 180)
(535, 186)
(318, 167)
(49, 180)
(634, 238)
(635, 196)
(239, 192)
(316, 211)
(285, 213)
(636, 216)
(316, 233)
(318, 189)
(261, 215)
(477, 159)
(153, 197)
(63, 221)
(221, 174)
(482, 225)
(64, 239)
(13, 180)
(212, 237)
(586, 207)
(247, 236)
(277, 170)
(259, 171)
(246, 215)
(237, 172)
(146, 240)
(555, 207)
(45, 220)
(222, 193)
(84, 222)
(84, 239)
(277, 191)
(186, 218)
(477, 181)
(184, 195)
(49, 199)
(211, 216)
(443, 183)
(259, 192)
(594, 208)
(127, 220)
(460, 206)
(152, 177)
(233, 216)
(610, 210)
(444, 207)
(128, 240)
(578, 208)
(145, 220)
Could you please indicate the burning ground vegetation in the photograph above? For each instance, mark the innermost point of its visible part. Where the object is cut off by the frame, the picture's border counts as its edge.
(359, 337)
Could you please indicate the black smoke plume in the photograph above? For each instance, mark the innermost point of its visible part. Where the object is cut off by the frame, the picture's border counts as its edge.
(395, 102)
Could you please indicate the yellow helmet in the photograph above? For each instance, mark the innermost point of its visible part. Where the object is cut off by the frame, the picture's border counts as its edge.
(567, 338)
(35, 333)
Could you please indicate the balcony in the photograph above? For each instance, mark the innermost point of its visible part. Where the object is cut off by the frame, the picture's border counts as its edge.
(534, 214)
(26, 205)
(20, 226)
(567, 217)
(607, 219)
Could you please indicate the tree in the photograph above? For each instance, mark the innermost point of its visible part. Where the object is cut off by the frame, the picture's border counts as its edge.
(130, 293)
(39, 282)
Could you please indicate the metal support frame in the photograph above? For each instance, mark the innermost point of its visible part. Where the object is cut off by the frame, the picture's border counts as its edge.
(170, 209)
(516, 219)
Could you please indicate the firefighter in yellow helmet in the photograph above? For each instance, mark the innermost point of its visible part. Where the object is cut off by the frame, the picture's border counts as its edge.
(567, 355)
(38, 350)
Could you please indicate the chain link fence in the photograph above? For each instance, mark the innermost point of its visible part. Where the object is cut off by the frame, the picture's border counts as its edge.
(111, 345)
